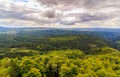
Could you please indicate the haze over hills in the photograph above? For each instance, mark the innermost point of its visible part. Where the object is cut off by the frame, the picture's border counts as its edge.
(109, 33)
(48, 28)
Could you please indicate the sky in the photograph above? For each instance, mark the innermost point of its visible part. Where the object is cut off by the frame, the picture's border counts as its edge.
(60, 13)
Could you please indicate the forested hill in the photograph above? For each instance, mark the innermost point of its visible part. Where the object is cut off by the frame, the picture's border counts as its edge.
(59, 53)
(46, 40)
(26, 35)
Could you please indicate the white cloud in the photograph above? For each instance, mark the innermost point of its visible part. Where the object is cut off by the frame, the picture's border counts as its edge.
(60, 13)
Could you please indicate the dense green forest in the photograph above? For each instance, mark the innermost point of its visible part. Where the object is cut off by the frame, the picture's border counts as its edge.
(59, 53)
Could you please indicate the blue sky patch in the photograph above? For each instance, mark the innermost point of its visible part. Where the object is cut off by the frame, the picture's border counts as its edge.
(20, 0)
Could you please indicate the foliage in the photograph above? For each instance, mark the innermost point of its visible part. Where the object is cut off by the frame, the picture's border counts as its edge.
(59, 54)
(68, 63)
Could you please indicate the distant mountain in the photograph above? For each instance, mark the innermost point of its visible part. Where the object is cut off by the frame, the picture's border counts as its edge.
(75, 29)
(54, 31)
(3, 29)
(26, 28)
(96, 29)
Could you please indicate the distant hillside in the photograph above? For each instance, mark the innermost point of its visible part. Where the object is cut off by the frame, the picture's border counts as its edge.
(73, 29)
(97, 29)
(3, 29)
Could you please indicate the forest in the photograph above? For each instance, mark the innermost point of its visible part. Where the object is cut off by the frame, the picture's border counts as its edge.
(59, 53)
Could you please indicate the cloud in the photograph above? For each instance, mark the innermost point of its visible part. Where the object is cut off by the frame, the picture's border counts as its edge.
(57, 2)
(92, 13)
(51, 13)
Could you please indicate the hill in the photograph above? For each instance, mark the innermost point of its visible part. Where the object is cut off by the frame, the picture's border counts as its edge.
(59, 53)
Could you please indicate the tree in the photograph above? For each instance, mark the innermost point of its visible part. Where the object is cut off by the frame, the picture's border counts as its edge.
(34, 72)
